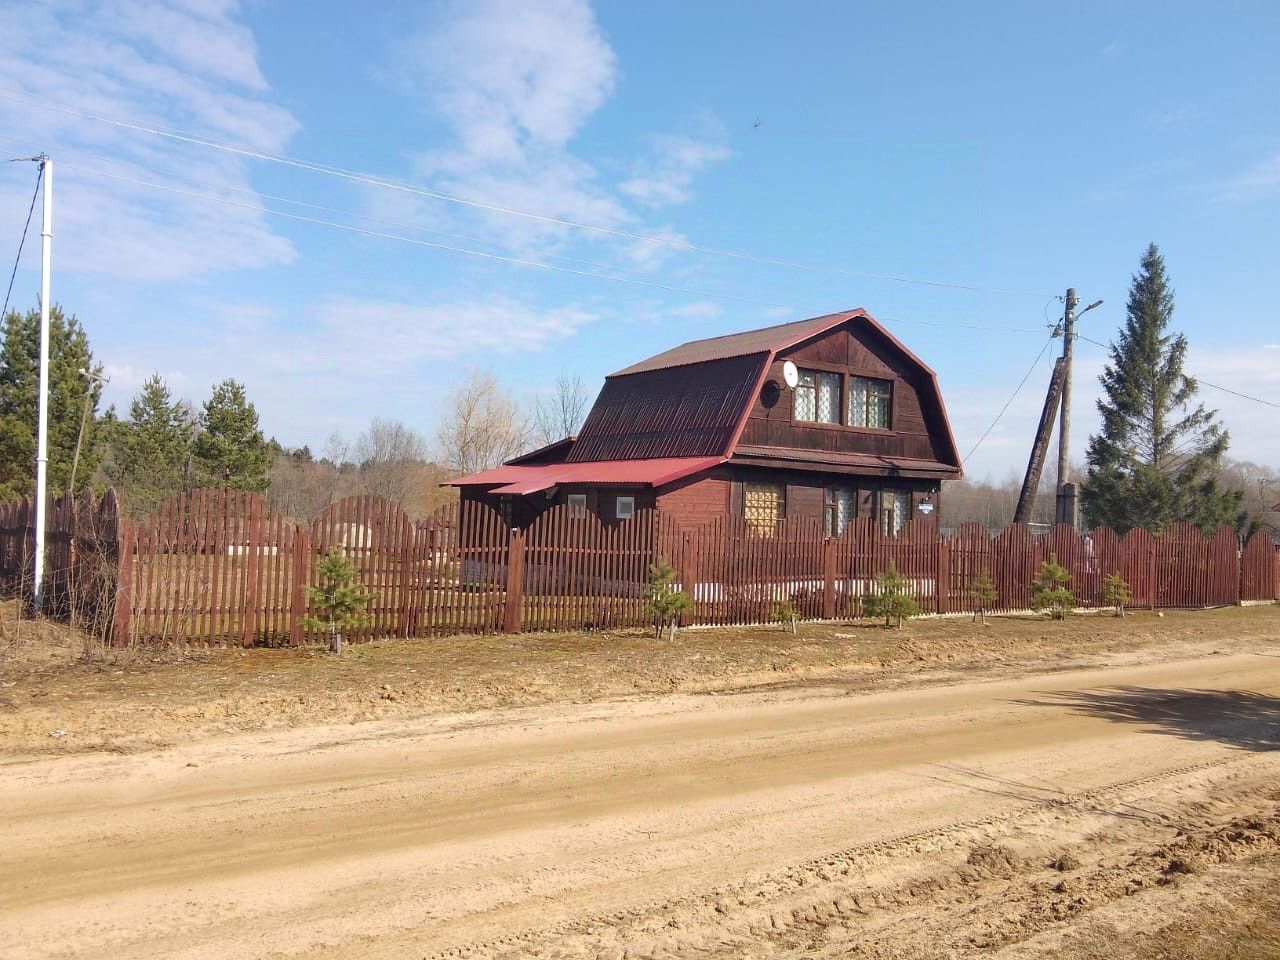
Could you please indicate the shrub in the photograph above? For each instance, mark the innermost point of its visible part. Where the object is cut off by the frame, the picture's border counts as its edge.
(338, 601)
(984, 593)
(785, 613)
(666, 603)
(891, 599)
(1115, 592)
(1049, 590)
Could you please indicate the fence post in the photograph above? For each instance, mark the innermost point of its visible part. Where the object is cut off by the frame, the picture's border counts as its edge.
(298, 595)
(829, 578)
(942, 585)
(251, 566)
(515, 582)
(691, 572)
(122, 615)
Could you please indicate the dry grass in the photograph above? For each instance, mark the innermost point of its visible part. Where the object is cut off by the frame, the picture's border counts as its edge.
(55, 698)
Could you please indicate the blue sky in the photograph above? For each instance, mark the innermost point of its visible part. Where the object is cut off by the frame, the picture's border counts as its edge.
(1017, 147)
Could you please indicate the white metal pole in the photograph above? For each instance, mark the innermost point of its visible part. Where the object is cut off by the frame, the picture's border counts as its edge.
(42, 433)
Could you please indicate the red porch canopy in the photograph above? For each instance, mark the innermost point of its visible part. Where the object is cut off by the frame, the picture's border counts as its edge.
(520, 479)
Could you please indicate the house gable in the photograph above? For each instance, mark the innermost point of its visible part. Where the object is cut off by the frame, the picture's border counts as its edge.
(857, 347)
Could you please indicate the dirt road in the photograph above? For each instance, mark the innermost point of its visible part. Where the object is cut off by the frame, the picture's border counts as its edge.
(909, 823)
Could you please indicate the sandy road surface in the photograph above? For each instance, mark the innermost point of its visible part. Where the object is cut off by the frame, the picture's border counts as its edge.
(761, 824)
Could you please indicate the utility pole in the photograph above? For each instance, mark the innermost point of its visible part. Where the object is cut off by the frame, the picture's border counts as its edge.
(92, 378)
(42, 428)
(1066, 501)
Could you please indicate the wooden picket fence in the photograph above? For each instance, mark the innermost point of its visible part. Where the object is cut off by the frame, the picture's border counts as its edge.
(219, 567)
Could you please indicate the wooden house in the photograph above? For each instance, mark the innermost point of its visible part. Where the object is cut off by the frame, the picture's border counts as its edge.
(711, 427)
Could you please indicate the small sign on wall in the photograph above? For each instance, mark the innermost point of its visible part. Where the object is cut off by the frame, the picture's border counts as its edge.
(925, 507)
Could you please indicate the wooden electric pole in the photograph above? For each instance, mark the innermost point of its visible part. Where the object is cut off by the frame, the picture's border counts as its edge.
(1066, 500)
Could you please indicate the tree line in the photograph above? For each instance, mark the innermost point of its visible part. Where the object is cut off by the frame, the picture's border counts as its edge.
(1159, 457)
(163, 445)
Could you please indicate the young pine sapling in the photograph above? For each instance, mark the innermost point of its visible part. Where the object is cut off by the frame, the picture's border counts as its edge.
(666, 603)
(891, 599)
(338, 602)
(984, 593)
(1049, 590)
(1115, 592)
(785, 613)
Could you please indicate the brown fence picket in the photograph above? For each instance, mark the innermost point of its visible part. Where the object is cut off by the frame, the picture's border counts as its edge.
(219, 566)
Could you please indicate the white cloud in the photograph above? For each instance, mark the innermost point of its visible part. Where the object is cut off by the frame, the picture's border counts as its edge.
(667, 177)
(169, 63)
(516, 83)
(364, 338)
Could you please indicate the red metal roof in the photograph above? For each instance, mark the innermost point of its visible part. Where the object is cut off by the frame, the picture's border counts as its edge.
(518, 479)
(683, 412)
(764, 340)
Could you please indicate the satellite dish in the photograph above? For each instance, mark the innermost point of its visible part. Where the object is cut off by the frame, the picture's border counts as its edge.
(790, 375)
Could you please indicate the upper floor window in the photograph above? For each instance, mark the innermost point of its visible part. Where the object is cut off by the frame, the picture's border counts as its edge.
(764, 506)
(818, 397)
(869, 402)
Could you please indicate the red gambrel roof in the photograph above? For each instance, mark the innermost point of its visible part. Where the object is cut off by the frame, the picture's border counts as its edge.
(518, 479)
(687, 407)
(765, 340)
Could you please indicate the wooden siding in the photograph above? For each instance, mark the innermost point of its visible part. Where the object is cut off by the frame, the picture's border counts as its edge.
(677, 412)
(695, 499)
(917, 428)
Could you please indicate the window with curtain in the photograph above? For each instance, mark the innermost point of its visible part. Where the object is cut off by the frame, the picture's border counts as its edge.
(764, 506)
(869, 402)
(818, 397)
(840, 506)
(895, 509)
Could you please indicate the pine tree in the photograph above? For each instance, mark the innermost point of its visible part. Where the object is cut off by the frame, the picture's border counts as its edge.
(151, 451)
(69, 353)
(339, 600)
(891, 599)
(1158, 456)
(666, 603)
(230, 449)
(985, 595)
(1049, 590)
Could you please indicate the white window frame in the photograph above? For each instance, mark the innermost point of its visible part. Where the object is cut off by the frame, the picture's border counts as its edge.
(577, 503)
(625, 508)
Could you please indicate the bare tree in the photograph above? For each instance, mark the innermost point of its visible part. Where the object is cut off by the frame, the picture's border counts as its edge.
(560, 415)
(391, 458)
(482, 426)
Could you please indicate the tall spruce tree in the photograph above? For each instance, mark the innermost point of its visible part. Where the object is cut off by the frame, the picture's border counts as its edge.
(230, 449)
(1157, 458)
(151, 451)
(69, 353)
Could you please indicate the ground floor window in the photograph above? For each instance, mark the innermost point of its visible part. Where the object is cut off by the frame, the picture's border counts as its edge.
(626, 508)
(764, 506)
(840, 505)
(577, 505)
(895, 510)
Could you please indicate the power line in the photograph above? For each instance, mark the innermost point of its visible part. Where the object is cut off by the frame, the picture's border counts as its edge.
(486, 254)
(23, 242)
(1215, 386)
(328, 170)
(520, 261)
(1008, 403)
